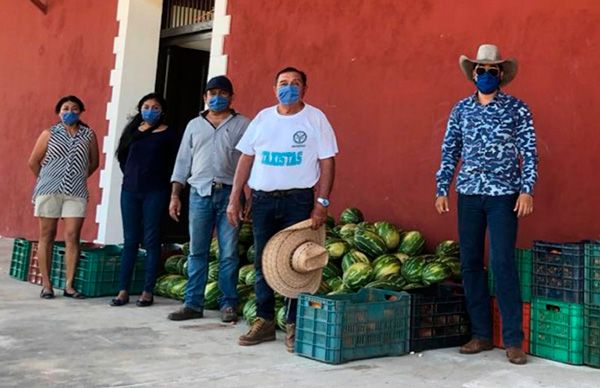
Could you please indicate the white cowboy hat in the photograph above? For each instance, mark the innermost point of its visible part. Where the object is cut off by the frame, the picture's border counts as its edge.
(293, 259)
(488, 54)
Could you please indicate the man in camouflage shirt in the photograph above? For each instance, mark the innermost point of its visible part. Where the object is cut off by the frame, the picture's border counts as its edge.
(492, 134)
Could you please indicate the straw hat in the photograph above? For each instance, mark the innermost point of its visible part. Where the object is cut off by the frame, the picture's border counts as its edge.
(293, 259)
(489, 54)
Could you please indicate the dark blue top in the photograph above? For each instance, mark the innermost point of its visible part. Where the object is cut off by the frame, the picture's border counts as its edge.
(150, 161)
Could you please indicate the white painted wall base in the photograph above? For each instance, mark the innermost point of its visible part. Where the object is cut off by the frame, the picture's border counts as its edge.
(134, 75)
(136, 49)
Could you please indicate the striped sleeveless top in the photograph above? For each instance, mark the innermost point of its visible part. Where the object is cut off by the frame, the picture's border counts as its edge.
(65, 166)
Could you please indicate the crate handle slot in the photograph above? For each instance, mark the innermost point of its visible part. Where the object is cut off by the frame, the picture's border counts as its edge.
(315, 304)
(555, 251)
(552, 307)
(390, 297)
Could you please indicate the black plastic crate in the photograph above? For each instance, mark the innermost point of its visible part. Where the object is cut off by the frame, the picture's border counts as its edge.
(558, 271)
(439, 318)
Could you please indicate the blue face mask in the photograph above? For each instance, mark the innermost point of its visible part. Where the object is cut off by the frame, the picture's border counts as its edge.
(151, 116)
(288, 94)
(487, 83)
(70, 118)
(218, 103)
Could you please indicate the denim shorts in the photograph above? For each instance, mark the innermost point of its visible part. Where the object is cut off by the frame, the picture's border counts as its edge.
(59, 206)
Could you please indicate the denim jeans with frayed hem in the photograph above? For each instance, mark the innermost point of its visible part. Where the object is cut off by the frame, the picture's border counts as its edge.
(476, 214)
(206, 213)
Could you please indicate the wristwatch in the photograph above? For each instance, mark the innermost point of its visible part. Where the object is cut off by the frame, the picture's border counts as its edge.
(323, 201)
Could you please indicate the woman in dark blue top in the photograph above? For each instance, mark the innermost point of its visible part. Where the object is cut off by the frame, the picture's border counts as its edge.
(146, 154)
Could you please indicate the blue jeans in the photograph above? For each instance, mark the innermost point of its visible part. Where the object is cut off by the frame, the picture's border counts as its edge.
(476, 213)
(141, 214)
(206, 213)
(270, 214)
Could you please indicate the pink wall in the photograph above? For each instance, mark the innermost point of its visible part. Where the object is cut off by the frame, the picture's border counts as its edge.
(386, 74)
(67, 51)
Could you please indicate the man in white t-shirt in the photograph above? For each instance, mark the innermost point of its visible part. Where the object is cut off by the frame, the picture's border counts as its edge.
(288, 161)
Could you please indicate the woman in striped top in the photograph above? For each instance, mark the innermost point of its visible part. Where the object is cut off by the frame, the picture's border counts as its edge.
(63, 157)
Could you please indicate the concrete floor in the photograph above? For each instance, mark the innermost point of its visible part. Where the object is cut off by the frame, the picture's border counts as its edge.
(70, 343)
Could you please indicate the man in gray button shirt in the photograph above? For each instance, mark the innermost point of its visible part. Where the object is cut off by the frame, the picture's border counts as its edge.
(207, 159)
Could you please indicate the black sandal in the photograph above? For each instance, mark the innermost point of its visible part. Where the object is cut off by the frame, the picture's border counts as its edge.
(145, 303)
(116, 302)
(46, 294)
(75, 295)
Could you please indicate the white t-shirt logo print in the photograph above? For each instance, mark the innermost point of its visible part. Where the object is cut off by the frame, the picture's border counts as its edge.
(300, 137)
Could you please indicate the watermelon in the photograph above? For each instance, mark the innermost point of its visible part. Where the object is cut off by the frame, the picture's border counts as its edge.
(369, 243)
(178, 289)
(347, 233)
(384, 285)
(335, 283)
(213, 252)
(330, 221)
(447, 248)
(324, 288)
(357, 275)
(242, 251)
(244, 293)
(251, 254)
(335, 231)
(181, 267)
(386, 265)
(250, 278)
(397, 279)
(435, 272)
(245, 235)
(352, 257)
(340, 291)
(211, 296)
(213, 271)
(389, 233)
(172, 264)
(185, 268)
(366, 226)
(351, 215)
(412, 243)
(280, 317)
(243, 272)
(336, 248)
(428, 257)
(454, 264)
(249, 310)
(401, 256)
(185, 249)
(412, 286)
(412, 268)
(331, 270)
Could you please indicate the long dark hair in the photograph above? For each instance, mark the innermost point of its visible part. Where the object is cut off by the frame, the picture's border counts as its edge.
(73, 99)
(130, 130)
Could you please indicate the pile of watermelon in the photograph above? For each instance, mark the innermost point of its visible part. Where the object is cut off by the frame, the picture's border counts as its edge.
(173, 282)
(381, 255)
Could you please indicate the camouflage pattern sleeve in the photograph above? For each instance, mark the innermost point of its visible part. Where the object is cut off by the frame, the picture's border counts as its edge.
(451, 151)
(526, 144)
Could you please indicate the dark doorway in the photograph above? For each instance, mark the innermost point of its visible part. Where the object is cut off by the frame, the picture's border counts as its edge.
(181, 78)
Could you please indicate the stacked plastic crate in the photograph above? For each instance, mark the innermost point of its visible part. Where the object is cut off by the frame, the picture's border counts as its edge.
(591, 329)
(557, 309)
(525, 269)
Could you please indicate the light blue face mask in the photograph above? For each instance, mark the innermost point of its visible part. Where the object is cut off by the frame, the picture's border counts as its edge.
(70, 118)
(218, 103)
(288, 94)
(151, 116)
(487, 83)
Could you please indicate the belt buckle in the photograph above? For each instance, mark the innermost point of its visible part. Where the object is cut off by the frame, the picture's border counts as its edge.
(217, 185)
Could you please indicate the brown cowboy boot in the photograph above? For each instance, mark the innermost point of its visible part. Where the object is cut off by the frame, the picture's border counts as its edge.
(516, 355)
(475, 346)
(260, 331)
(290, 337)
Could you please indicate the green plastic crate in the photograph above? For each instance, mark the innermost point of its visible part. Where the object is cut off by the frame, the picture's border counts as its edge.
(557, 330)
(97, 272)
(524, 258)
(591, 354)
(19, 263)
(345, 327)
(592, 274)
